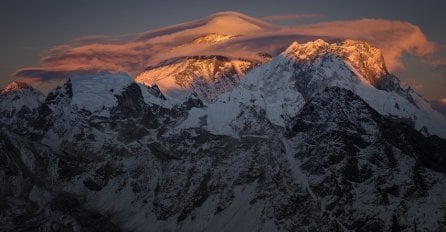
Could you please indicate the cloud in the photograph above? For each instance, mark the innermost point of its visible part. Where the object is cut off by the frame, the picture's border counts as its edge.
(417, 86)
(441, 63)
(47, 79)
(439, 105)
(132, 53)
(394, 38)
(290, 17)
(39, 74)
(62, 61)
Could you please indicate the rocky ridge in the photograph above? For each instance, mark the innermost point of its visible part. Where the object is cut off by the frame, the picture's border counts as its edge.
(314, 143)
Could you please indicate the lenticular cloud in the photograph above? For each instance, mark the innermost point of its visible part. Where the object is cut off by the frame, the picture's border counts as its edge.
(229, 34)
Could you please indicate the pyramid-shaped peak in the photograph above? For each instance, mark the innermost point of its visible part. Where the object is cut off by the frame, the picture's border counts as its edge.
(364, 57)
(212, 38)
(308, 49)
(319, 47)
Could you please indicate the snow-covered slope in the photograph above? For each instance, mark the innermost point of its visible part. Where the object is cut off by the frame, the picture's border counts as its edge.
(97, 92)
(339, 164)
(282, 86)
(360, 68)
(19, 103)
(367, 60)
(212, 38)
(320, 138)
(94, 97)
(207, 76)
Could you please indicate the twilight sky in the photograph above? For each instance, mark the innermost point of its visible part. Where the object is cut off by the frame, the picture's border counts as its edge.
(29, 28)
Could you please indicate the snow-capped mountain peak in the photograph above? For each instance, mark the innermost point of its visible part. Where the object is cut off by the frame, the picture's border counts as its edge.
(19, 102)
(100, 92)
(296, 142)
(14, 86)
(365, 58)
(212, 38)
(208, 76)
(280, 88)
(97, 91)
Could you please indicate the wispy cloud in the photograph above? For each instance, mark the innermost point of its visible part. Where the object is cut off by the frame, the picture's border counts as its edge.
(133, 53)
(439, 63)
(417, 86)
(291, 17)
(394, 38)
(439, 105)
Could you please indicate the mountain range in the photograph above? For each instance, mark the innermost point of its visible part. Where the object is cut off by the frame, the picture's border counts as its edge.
(317, 137)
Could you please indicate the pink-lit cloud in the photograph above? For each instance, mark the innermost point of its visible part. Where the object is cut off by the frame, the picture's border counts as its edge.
(415, 84)
(439, 105)
(133, 53)
(62, 60)
(290, 17)
(394, 38)
(441, 63)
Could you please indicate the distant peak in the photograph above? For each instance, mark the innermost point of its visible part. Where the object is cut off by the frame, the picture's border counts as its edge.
(308, 50)
(365, 58)
(15, 86)
(212, 38)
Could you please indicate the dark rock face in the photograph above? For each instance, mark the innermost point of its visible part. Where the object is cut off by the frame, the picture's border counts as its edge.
(390, 82)
(52, 211)
(358, 155)
(57, 98)
(157, 92)
(337, 165)
(19, 105)
(130, 102)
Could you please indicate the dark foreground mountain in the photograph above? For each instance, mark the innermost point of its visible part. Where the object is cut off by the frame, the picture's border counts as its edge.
(320, 138)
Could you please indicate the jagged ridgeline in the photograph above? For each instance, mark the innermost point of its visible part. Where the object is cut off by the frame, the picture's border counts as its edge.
(320, 137)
